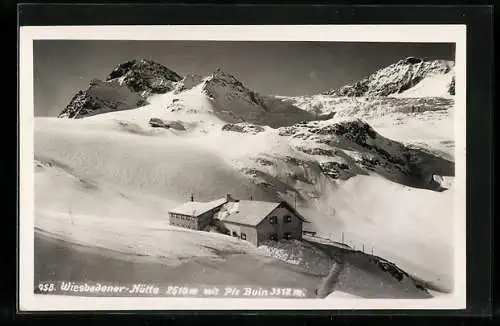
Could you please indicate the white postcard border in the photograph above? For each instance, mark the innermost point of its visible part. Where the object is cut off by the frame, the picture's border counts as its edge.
(28, 301)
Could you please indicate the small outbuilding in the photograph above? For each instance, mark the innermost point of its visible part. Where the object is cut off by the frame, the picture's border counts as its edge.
(195, 215)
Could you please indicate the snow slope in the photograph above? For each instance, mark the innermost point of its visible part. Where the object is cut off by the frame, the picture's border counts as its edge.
(141, 240)
(164, 164)
(414, 233)
(436, 85)
(213, 258)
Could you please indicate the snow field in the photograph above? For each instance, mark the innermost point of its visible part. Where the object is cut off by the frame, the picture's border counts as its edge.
(141, 239)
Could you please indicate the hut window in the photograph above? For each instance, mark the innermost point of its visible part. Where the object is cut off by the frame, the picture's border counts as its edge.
(235, 234)
(288, 235)
(274, 236)
(243, 236)
(288, 219)
(273, 220)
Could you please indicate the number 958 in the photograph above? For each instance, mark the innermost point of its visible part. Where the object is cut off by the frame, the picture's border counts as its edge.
(46, 287)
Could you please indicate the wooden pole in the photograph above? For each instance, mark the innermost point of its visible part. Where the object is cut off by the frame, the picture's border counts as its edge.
(342, 237)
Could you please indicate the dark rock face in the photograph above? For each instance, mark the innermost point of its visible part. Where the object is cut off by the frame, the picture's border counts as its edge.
(389, 267)
(451, 88)
(145, 76)
(412, 60)
(317, 151)
(159, 123)
(80, 105)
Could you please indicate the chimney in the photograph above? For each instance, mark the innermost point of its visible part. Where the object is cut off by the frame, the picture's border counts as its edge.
(192, 197)
(229, 198)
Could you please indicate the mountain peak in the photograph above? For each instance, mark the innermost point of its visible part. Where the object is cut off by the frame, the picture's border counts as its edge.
(224, 76)
(223, 84)
(126, 87)
(144, 75)
(395, 78)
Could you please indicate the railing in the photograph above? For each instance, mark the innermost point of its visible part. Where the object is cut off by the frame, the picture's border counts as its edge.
(342, 241)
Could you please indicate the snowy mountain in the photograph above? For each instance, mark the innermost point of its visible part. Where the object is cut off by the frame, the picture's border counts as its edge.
(435, 77)
(232, 102)
(127, 87)
(133, 83)
(355, 166)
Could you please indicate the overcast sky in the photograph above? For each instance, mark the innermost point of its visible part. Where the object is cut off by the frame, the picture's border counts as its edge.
(61, 68)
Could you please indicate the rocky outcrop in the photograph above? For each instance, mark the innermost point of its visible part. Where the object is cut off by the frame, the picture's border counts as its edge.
(353, 130)
(80, 105)
(159, 123)
(451, 88)
(335, 170)
(243, 128)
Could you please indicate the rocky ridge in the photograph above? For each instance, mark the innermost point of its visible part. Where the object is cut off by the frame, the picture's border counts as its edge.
(127, 87)
(395, 78)
(101, 97)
